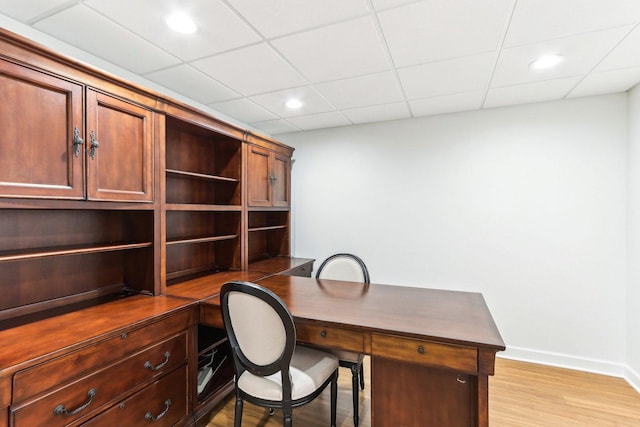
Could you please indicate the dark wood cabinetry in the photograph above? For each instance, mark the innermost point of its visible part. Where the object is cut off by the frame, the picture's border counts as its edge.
(268, 199)
(119, 149)
(118, 205)
(42, 121)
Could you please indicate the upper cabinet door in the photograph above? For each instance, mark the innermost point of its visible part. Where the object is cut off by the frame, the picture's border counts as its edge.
(41, 136)
(259, 174)
(280, 178)
(119, 152)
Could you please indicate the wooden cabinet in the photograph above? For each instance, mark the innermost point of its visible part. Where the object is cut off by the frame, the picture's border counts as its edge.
(47, 152)
(79, 385)
(268, 165)
(119, 149)
(42, 120)
(269, 174)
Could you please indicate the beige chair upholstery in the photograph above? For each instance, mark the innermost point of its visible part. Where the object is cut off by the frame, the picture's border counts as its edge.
(348, 267)
(271, 371)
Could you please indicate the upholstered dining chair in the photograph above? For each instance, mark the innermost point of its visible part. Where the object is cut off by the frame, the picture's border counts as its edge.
(351, 268)
(270, 370)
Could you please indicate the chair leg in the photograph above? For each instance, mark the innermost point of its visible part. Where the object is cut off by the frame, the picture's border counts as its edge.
(356, 395)
(237, 420)
(334, 398)
(362, 376)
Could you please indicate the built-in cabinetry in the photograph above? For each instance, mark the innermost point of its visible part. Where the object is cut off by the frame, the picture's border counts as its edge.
(110, 193)
(269, 192)
(203, 200)
(108, 371)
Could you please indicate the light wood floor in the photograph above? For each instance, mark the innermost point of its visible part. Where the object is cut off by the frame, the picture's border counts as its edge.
(520, 395)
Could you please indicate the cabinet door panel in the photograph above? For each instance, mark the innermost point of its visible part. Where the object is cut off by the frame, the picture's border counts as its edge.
(281, 181)
(38, 115)
(259, 186)
(430, 396)
(121, 167)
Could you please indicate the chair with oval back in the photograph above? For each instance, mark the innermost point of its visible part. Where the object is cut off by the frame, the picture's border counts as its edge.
(350, 268)
(271, 371)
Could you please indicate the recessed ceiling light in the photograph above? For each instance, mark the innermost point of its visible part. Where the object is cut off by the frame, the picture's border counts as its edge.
(181, 23)
(546, 61)
(293, 103)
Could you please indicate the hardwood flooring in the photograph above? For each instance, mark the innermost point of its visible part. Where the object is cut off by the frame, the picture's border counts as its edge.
(520, 395)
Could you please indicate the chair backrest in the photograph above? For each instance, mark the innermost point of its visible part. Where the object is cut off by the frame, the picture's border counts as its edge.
(343, 267)
(260, 329)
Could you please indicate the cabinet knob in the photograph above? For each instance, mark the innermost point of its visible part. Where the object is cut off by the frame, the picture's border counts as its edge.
(323, 333)
(420, 349)
(273, 178)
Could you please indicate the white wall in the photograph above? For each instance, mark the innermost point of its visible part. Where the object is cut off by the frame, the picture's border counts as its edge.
(633, 290)
(526, 205)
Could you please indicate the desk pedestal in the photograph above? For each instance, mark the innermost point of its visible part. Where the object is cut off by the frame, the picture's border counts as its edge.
(409, 395)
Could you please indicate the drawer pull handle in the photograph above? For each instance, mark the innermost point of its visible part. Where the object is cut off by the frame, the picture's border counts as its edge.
(60, 409)
(94, 145)
(148, 364)
(149, 416)
(124, 336)
(323, 333)
(77, 141)
(420, 349)
(461, 380)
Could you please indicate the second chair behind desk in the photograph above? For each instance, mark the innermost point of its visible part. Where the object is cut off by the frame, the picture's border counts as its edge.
(348, 267)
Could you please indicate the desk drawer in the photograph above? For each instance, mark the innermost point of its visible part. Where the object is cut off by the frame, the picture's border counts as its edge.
(211, 315)
(102, 386)
(457, 357)
(162, 403)
(45, 376)
(339, 338)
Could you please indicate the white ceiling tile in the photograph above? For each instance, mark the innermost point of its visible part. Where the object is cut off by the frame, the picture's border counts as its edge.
(280, 17)
(27, 10)
(446, 104)
(338, 51)
(103, 38)
(378, 113)
(244, 110)
(322, 120)
(373, 89)
(465, 74)
(251, 70)
(219, 28)
(193, 84)
(624, 55)
(274, 127)
(581, 54)
(388, 4)
(530, 92)
(435, 30)
(607, 82)
(538, 20)
(312, 102)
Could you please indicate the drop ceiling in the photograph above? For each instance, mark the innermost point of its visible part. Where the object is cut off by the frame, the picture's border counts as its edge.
(353, 61)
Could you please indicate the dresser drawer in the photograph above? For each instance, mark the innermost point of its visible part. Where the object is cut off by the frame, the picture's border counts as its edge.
(460, 358)
(101, 386)
(162, 403)
(339, 338)
(45, 376)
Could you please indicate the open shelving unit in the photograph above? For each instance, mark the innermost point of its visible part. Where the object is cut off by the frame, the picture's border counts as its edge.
(203, 200)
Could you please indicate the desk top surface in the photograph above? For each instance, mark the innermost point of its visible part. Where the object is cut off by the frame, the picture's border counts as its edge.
(452, 316)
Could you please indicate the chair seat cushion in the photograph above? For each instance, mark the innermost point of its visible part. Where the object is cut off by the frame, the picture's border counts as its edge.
(310, 368)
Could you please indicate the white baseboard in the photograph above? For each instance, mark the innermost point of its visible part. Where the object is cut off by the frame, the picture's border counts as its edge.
(570, 362)
(632, 378)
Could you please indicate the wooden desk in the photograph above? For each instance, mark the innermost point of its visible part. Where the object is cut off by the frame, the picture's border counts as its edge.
(431, 350)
